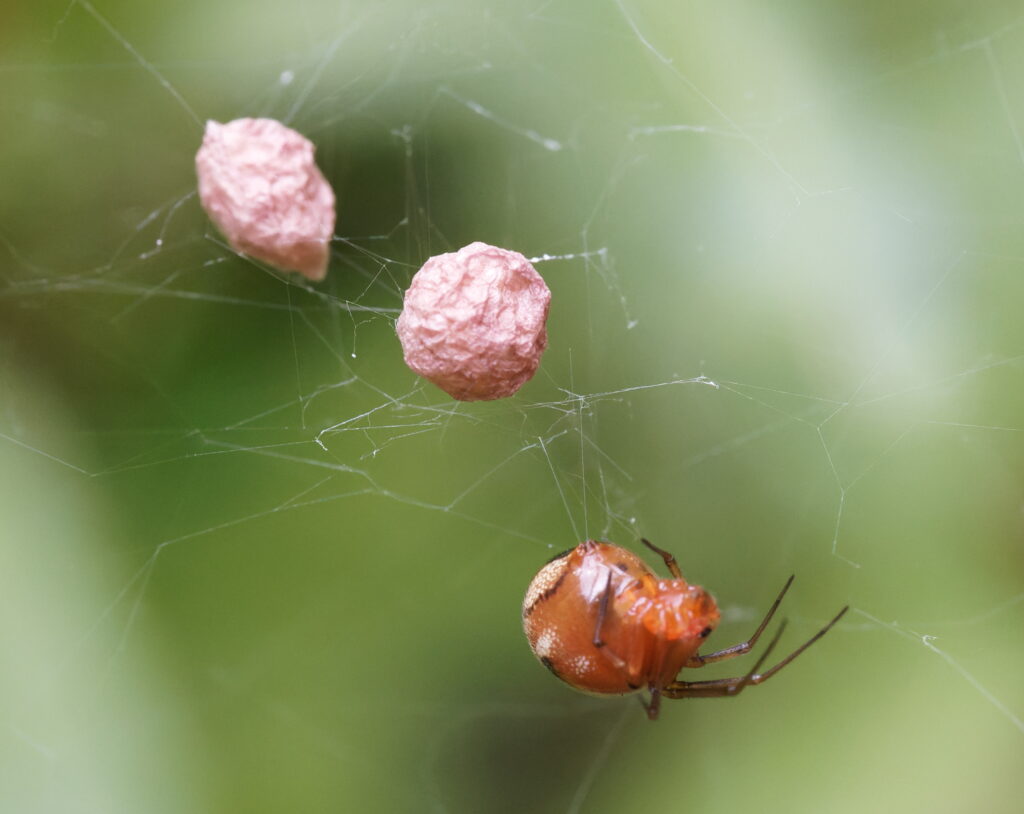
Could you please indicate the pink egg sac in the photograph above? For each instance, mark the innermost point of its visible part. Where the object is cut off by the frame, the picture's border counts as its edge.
(259, 184)
(473, 322)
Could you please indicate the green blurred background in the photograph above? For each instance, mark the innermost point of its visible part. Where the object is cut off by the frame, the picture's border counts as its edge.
(250, 564)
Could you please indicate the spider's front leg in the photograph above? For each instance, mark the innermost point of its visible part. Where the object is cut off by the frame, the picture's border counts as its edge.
(734, 686)
(748, 645)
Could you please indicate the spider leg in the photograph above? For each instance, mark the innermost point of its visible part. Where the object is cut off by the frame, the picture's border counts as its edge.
(602, 613)
(670, 561)
(733, 686)
(602, 610)
(748, 645)
(654, 707)
(743, 680)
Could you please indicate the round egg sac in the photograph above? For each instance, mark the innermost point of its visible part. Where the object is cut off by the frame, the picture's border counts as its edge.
(473, 322)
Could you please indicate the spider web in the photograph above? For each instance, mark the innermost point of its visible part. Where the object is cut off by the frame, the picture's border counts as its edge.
(253, 563)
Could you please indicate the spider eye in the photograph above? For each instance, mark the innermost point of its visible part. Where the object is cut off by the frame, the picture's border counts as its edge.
(705, 633)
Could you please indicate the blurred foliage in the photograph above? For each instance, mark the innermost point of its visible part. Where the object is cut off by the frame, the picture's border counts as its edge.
(251, 564)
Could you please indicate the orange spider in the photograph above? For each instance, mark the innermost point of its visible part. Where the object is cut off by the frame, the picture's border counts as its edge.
(599, 619)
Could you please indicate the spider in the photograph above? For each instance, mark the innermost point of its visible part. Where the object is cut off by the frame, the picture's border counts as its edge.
(599, 619)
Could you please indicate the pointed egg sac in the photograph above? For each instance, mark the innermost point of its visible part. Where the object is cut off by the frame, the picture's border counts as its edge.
(261, 187)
